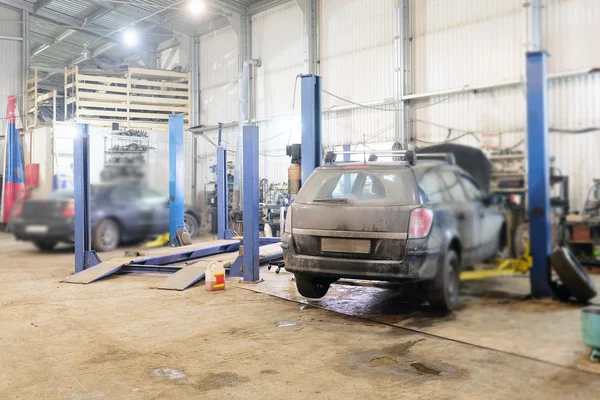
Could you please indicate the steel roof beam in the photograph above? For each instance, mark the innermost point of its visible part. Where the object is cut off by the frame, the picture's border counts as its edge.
(41, 4)
(66, 33)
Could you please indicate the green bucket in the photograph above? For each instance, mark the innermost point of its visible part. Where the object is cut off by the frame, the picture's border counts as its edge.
(590, 330)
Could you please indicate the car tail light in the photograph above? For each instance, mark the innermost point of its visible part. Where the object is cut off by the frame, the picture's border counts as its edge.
(420, 223)
(69, 210)
(18, 209)
(288, 220)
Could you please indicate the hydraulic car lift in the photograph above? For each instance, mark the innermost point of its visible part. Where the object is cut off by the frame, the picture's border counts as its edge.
(186, 264)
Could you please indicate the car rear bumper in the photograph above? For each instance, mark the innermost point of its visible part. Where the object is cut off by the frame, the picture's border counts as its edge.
(57, 231)
(413, 267)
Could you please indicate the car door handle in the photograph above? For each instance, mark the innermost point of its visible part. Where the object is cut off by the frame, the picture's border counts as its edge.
(460, 216)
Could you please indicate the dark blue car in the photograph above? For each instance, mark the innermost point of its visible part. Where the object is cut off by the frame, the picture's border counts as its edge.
(120, 213)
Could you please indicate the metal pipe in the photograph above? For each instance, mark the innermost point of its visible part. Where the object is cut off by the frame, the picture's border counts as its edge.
(485, 87)
(13, 38)
(329, 110)
(476, 88)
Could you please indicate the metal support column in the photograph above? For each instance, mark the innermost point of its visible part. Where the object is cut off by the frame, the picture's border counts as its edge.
(312, 151)
(222, 194)
(251, 219)
(311, 35)
(406, 65)
(85, 257)
(194, 63)
(538, 173)
(176, 171)
(26, 30)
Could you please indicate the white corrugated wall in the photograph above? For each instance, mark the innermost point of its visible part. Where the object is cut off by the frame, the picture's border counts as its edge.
(456, 44)
(219, 96)
(460, 43)
(11, 83)
(277, 42)
(357, 64)
(571, 32)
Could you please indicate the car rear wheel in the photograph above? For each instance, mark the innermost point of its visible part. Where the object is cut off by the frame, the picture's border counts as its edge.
(107, 236)
(443, 292)
(191, 224)
(45, 245)
(311, 287)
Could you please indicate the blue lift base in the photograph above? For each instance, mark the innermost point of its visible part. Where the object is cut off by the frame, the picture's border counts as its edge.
(186, 266)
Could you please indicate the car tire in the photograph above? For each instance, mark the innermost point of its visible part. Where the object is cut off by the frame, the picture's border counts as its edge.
(573, 275)
(107, 236)
(443, 292)
(192, 225)
(45, 245)
(311, 287)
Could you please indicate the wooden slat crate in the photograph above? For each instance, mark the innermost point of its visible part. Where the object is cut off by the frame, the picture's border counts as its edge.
(141, 98)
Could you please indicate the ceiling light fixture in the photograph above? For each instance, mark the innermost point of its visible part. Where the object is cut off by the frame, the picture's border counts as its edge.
(130, 36)
(196, 6)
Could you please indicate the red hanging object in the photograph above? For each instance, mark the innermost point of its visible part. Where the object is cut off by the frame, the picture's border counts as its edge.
(14, 179)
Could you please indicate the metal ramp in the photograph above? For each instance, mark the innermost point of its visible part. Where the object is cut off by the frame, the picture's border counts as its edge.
(185, 265)
(194, 272)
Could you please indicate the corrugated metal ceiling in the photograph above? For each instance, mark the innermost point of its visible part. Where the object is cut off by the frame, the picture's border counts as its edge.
(97, 20)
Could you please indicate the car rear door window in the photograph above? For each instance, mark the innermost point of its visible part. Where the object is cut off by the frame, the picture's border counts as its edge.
(473, 190)
(454, 187)
(432, 188)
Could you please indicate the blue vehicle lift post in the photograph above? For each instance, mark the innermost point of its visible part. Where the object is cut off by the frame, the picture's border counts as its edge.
(538, 174)
(85, 257)
(176, 171)
(222, 200)
(312, 151)
(251, 270)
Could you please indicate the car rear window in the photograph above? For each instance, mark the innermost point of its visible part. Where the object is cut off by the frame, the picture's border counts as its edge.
(363, 186)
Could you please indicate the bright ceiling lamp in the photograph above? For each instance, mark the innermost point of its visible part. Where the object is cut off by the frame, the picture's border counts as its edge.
(130, 36)
(196, 6)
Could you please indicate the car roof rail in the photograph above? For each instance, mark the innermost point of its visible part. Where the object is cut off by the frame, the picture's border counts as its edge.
(410, 156)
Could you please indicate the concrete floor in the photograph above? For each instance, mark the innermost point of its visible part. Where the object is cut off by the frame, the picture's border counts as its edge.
(118, 339)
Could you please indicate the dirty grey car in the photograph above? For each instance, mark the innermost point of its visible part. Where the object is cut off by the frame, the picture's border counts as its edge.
(122, 212)
(391, 222)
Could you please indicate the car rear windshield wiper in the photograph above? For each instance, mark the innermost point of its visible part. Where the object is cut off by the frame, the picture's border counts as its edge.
(341, 200)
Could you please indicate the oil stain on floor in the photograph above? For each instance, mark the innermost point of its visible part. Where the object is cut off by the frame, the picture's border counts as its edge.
(397, 361)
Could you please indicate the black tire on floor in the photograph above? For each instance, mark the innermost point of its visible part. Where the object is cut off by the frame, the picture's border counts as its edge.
(45, 245)
(573, 275)
(107, 235)
(311, 287)
(443, 292)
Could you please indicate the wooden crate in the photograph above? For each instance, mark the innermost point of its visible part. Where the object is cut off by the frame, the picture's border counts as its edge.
(141, 98)
(35, 100)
